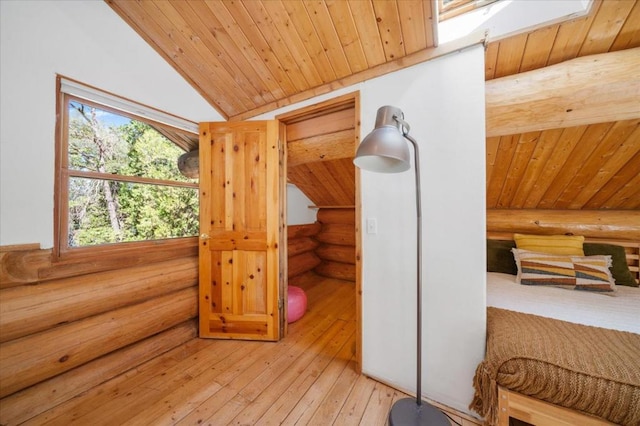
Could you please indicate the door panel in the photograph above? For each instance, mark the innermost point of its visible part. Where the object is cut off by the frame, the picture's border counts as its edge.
(241, 216)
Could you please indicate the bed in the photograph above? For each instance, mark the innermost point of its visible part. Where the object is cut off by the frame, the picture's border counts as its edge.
(559, 355)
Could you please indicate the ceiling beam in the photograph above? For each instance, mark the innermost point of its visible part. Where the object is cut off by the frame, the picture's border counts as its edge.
(586, 90)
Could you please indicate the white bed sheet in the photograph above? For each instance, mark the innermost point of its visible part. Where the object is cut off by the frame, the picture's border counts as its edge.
(619, 310)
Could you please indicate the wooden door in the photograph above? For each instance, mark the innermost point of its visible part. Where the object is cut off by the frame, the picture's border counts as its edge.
(241, 226)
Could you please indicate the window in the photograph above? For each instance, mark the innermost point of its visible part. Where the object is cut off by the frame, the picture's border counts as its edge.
(117, 175)
(450, 8)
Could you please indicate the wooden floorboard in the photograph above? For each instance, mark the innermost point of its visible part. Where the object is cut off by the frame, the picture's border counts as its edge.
(308, 378)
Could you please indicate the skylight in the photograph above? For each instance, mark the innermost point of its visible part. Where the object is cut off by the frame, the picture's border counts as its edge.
(502, 18)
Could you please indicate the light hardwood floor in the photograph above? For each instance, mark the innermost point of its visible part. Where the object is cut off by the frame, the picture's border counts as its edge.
(308, 378)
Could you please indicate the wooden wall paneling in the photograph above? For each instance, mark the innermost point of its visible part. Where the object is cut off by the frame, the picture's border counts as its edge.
(341, 119)
(328, 37)
(588, 168)
(187, 24)
(37, 357)
(290, 52)
(30, 402)
(628, 197)
(605, 26)
(629, 35)
(618, 188)
(236, 15)
(491, 60)
(310, 64)
(331, 146)
(345, 27)
(500, 169)
(33, 308)
(389, 28)
(492, 145)
(538, 48)
(621, 143)
(523, 151)
(611, 224)
(414, 33)
(152, 33)
(365, 21)
(310, 39)
(537, 163)
(200, 20)
(560, 153)
(593, 135)
(510, 55)
(571, 35)
(234, 46)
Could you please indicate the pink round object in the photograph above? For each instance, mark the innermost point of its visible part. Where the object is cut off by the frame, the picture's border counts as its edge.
(296, 303)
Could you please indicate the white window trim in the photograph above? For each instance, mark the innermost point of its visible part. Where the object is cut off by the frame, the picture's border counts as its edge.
(83, 91)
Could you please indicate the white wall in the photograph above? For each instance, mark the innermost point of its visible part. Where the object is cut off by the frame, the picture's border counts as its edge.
(298, 211)
(443, 101)
(86, 41)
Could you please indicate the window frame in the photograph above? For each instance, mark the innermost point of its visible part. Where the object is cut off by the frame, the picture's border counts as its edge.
(458, 7)
(62, 250)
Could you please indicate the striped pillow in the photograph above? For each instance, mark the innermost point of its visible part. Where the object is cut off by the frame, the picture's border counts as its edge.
(544, 269)
(593, 273)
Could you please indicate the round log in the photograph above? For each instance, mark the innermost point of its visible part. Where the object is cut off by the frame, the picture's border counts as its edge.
(337, 270)
(344, 254)
(616, 224)
(337, 233)
(345, 216)
(189, 164)
(306, 230)
(302, 263)
(300, 245)
(39, 356)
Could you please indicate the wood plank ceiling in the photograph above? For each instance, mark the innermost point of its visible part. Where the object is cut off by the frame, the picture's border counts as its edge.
(251, 57)
(595, 166)
(248, 57)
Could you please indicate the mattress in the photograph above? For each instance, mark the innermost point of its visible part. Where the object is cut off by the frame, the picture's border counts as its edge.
(618, 310)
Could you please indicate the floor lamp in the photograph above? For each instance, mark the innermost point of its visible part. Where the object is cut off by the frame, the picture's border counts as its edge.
(384, 150)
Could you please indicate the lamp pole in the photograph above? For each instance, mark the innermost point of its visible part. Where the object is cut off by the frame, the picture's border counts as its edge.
(385, 150)
(419, 267)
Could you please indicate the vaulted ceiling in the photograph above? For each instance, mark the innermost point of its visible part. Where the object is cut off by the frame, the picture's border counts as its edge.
(251, 57)
(247, 57)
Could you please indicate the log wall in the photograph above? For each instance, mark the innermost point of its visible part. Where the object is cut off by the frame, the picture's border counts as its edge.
(66, 326)
(337, 238)
(620, 227)
(301, 245)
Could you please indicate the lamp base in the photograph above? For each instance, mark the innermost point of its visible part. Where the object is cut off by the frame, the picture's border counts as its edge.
(406, 411)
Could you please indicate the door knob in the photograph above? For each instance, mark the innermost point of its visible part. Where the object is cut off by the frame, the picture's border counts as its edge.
(204, 236)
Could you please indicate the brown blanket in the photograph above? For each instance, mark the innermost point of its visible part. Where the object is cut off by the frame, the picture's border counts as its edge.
(588, 369)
